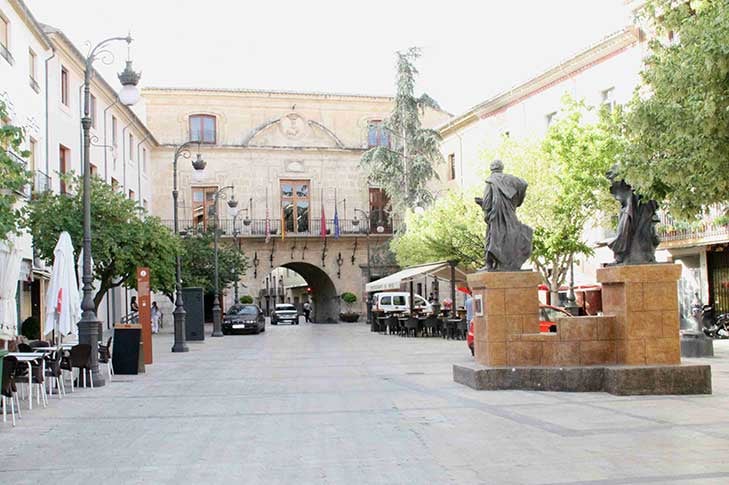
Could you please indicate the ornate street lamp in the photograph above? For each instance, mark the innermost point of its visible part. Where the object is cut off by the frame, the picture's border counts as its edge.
(217, 312)
(179, 313)
(89, 326)
(355, 222)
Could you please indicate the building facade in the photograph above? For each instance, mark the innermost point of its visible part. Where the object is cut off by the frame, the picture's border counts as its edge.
(293, 157)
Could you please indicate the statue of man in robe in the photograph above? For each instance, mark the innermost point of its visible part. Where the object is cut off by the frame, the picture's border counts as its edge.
(508, 241)
(636, 239)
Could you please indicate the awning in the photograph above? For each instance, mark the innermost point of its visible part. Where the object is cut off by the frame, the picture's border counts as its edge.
(441, 269)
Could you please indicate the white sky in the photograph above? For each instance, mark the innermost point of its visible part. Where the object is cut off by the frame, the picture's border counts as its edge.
(471, 49)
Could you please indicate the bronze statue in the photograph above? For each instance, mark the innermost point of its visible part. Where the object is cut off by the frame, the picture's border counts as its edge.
(637, 239)
(508, 241)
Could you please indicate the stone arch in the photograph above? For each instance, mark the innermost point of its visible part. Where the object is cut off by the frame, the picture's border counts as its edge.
(323, 290)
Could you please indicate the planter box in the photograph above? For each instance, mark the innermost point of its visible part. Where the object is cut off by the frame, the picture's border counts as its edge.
(349, 317)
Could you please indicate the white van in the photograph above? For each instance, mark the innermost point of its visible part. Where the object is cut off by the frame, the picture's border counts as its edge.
(399, 301)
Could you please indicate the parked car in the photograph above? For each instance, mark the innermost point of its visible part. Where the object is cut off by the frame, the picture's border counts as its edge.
(399, 301)
(244, 318)
(285, 313)
(548, 315)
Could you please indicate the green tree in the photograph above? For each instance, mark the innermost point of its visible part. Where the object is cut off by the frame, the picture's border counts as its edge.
(13, 175)
(121, 242)
(404, 168)
(198, 262)
(451, 229)
(677, 125)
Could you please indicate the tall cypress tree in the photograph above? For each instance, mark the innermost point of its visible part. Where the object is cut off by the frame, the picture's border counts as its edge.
(404, 168)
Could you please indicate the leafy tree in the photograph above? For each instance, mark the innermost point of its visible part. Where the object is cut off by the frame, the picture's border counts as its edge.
(246, 299)
(13, 176)
(677, 125)
(121, 240)
(404, 168)
(451, 229)
(198, 262)
(349, 298)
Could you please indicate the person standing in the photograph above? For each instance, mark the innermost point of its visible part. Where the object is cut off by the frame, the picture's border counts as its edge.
(307, 311)
(156, 315)
(134, 306)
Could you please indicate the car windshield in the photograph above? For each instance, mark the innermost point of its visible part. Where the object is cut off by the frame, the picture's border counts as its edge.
(286, 308)
(243, 310)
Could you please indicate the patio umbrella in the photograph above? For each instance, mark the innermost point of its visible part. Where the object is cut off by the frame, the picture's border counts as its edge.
(63, 303)
(10, 264)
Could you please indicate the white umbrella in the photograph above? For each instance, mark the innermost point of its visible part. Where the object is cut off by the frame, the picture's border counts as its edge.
(63, 303)
(9, 274)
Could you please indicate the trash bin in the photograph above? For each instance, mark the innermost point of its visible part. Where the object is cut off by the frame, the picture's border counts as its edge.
(194, 302)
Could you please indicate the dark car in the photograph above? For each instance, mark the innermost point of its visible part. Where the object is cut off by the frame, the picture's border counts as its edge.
(244, 318)
(285, 313)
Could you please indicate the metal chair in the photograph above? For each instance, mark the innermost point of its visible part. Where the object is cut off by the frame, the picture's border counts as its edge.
(8, 389)
(105, 357)
(411, 326)
(55, 373)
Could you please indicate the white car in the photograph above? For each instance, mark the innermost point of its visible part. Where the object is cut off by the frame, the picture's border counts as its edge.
(399, 301)
(285, 313)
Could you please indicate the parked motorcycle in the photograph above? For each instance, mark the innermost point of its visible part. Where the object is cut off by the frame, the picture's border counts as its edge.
(714, 327)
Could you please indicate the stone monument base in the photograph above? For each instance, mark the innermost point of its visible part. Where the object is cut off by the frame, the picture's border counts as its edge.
(696, 344)
(618, 380)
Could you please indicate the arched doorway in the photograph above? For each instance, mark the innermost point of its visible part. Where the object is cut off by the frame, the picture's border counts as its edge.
(319, 289)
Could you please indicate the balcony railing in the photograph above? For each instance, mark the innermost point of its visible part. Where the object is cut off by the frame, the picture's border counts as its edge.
(711, 227)
(26, 192)
(257, 228)
(5, 53)
(41, 182)
(34, 84)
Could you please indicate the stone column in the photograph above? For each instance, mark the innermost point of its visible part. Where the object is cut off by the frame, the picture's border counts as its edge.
(644, 300)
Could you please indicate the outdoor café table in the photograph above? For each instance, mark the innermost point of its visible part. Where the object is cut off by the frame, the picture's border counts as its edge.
(29, 358)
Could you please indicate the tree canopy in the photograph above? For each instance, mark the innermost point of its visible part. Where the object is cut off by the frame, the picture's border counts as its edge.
(122, 239)
(404, 166)
(677, 125)
(13, 175)
(198, 262)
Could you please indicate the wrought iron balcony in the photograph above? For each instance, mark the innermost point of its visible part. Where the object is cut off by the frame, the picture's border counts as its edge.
(256, 228)
(41, 182)
(711, 228)
(34, 84)
(5, 53)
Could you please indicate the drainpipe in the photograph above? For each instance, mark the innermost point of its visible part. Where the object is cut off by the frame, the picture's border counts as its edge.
(106, 145)
(48, 163)
(124, 157)
(460, 155)
(139, 171)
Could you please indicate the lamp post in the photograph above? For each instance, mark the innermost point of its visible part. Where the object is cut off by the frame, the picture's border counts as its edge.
(571, 305)
(217, 312)
(89, 325)
(236, 237)
(179, 313)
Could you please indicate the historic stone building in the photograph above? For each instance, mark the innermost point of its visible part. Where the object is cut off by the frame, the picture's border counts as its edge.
(291, 156)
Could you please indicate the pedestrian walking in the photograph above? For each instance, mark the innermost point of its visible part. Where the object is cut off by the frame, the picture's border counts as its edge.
(156, 316)
(307, 311)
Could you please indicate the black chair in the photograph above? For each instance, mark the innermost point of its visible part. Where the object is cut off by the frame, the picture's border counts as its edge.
(462, 329)
(393, 325)
(24, 348)
(105, 357)
(431, 325)
(8, 389)
(54, 372)
(411, 326)
(78, 357)
(36, 377)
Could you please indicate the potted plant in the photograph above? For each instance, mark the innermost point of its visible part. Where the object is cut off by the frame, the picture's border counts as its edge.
(246, 299)
(349, 298)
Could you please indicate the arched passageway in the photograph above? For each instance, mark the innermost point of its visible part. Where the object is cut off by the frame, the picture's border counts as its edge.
(319, 289)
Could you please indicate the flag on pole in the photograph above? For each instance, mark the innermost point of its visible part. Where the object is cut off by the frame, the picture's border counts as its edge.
(268, 223)
(323, 218)
(336, 216)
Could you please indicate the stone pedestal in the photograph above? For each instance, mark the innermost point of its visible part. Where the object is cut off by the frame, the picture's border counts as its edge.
(644, 300)
(696, 344)
(510, 307)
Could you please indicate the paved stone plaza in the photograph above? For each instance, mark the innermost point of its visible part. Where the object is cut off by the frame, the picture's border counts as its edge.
(337, 404)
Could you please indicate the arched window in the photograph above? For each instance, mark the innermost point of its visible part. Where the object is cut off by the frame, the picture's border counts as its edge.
(377, 134)
(202, 128)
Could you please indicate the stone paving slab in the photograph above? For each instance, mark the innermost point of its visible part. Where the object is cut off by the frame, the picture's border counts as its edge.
(337, 404)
